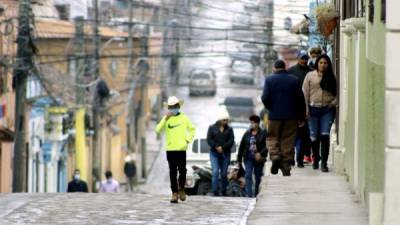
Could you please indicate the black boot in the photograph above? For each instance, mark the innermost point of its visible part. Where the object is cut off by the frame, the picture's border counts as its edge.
(325, 144)
(276, 161)
(315, 146)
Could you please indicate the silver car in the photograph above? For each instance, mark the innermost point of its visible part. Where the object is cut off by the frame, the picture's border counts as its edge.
(242, 72)
(202, 81)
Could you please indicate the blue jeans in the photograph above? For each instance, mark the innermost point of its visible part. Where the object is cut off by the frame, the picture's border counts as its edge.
(320, 121)
(250, 166)
(219, 165)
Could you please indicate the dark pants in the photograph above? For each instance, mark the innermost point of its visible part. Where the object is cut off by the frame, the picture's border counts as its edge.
(280, 142)
(177, 162)
(252, 166)
(303, 143)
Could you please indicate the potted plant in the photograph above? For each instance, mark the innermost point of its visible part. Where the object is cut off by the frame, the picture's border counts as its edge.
(326, 18)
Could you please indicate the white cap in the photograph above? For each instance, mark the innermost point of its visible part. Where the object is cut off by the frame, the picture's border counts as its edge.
(173, 101)
(222, 113)
(130, 157)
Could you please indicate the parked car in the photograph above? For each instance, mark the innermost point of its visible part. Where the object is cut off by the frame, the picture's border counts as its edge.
(198, 175)
(239, 108)
(244, 55)
(202, 81)
(242, 72)
(239, 128)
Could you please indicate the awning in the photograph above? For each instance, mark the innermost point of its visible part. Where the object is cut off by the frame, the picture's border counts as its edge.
(6, 134)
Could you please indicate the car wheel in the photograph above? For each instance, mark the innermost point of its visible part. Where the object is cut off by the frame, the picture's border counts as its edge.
(213, 93)
(203, 188)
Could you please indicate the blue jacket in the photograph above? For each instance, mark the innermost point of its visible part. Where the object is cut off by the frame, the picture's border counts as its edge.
(283, 97)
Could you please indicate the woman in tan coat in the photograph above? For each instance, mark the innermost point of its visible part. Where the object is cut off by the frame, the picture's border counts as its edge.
(319, 89)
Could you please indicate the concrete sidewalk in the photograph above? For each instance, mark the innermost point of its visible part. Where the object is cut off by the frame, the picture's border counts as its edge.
(307, 197)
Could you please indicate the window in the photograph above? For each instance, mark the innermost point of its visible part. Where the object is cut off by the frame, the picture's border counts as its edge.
(383, 11)
(371, 13)
(63, 11)
(204, 147)
(114, 67)
(353, 9)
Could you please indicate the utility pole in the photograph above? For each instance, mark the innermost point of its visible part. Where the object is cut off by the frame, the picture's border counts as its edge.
(96, 154)
(131, 124)
(190, 19)
(269, 52)
(25, 51)
(79, 63)
(143, 70)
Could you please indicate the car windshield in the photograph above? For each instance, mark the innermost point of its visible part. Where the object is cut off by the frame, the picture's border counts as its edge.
(238, 101)
(242, 66)
(201, 76)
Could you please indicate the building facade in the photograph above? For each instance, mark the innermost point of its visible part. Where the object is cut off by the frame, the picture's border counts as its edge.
(367, 151)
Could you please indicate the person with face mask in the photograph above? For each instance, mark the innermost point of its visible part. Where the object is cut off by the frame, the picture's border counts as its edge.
(109, 185)
(220, 138)
(253, 151)
(77, 185)
(179, 132)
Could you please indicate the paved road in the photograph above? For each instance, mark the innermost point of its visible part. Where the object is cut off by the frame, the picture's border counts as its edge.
(82, 209)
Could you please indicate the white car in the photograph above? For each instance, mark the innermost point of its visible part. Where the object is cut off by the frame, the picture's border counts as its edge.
(198, 154)
(202, 81)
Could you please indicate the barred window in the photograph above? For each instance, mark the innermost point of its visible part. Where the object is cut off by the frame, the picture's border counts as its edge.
(383, 11)
(352, 9)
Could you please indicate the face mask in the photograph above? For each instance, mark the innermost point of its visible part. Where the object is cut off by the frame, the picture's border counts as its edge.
(174, 111)
(313, 60)
(77, 176)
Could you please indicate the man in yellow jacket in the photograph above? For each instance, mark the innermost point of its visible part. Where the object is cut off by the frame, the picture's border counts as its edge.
(179, 132)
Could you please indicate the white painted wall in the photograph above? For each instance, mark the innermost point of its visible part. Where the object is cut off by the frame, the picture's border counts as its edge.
(392, 112)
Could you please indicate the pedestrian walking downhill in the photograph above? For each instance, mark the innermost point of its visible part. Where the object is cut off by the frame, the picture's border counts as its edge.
(130, 172)
(179, 132)
(303, 142)
(109, 185)
(253, 152)
(77, 185)
(283, 97)
(319, 89)
(220, 138)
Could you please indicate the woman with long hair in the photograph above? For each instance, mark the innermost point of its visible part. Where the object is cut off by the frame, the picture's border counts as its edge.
(319, 89)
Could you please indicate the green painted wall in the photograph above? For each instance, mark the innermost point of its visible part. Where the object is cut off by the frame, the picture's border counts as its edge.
(362, 115)
(371, 100)
(349, 124)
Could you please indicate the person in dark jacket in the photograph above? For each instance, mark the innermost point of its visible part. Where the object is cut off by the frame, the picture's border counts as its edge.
(220, 138)
(253, 151)
(284, 99)
(77, 185)
(130, 172)
(303, 141)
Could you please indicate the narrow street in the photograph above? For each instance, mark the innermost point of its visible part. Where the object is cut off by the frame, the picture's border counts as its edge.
(76, 209)
(84, 83)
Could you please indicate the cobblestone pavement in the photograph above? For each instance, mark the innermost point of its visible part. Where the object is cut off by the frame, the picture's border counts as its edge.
(71, 209)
